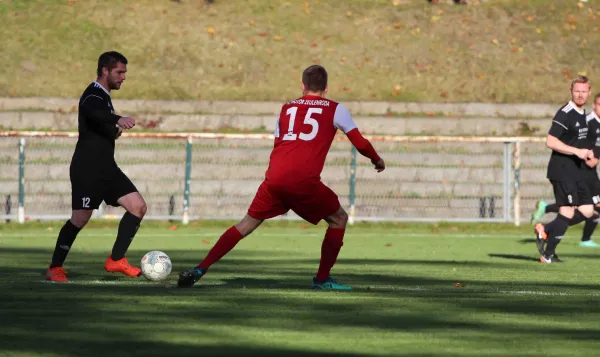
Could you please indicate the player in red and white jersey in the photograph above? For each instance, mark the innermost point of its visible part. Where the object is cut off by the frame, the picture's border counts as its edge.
(304, 133)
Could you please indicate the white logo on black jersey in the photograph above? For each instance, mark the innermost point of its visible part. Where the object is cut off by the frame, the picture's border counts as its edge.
(597, 131)
(577, 125)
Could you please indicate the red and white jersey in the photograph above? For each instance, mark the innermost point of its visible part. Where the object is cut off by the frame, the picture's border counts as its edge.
(303, 135)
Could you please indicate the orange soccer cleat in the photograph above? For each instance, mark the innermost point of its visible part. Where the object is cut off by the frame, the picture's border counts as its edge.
(121, 266)
(57, 274)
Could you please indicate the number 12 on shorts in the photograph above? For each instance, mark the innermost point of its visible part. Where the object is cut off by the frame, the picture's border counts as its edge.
(292, 111)
(86, 202)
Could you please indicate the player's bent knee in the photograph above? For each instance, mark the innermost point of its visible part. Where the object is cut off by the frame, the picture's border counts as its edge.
(587, 210)
(247, 225)
(567, 211)
(80, 218)
(338, 219)
(141, 209)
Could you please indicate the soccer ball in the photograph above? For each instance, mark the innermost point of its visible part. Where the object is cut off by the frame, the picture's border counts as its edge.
(156, 265)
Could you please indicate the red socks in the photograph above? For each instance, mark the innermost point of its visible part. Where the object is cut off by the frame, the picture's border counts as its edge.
(334, 239)
(228, 240)
(333, 242)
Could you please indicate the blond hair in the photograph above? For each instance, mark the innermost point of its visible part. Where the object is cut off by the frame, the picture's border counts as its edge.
(580, 79)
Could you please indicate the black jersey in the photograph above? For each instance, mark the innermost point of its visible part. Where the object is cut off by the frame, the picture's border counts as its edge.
(95, 149)
(570, 127)
(592, 142)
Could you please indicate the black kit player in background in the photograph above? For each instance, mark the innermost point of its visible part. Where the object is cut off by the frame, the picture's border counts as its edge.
(95, 176)
(568, 138)
(591, 176)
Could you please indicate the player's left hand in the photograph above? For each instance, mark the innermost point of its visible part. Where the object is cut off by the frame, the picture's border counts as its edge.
(379, 165)
(590, 155)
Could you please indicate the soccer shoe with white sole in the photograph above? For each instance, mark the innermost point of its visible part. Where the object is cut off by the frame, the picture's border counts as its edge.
(540, 237)
(540, 211)
(547, 259)
(187, 279)
(328, 284)
(589, 244)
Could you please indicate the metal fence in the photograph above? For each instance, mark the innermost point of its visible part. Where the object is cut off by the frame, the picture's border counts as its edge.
(191, 176)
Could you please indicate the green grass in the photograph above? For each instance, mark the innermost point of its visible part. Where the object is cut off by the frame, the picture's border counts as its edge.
(494, 51)
(257, 301)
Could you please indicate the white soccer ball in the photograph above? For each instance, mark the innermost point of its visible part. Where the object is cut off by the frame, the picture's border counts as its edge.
(156, 265)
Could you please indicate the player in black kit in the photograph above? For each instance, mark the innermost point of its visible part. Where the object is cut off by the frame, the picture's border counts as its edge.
(567, 138)
(95, 176)
(591, 177)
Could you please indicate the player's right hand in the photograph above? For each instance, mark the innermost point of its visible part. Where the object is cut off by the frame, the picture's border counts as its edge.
(379, 165)
(126, 123)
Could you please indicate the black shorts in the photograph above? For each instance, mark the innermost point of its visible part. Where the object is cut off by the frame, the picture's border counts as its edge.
(594, 186)
(88, 191)
(572, 193)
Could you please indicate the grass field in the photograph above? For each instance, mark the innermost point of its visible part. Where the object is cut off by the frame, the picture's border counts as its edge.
(405, 50)
(257, 301)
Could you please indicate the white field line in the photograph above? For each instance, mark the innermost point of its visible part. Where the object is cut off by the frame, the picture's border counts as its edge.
(375, 288)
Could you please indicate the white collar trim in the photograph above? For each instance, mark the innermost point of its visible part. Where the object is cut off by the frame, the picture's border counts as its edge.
(104, 89)
(582, 111)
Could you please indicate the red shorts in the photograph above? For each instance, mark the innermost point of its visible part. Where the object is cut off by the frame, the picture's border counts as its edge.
(311, 202)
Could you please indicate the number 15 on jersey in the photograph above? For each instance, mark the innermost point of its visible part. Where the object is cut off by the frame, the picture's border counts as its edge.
(308, 119)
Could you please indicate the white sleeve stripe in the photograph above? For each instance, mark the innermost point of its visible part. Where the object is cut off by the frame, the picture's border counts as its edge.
(554, 121)
(91, 95)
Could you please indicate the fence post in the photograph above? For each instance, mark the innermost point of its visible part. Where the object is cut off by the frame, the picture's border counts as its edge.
(506, 201)
(517, 187)
(21, 210)
(352, 194)
(188, 174)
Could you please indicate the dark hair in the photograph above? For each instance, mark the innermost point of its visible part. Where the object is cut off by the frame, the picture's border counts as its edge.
(315, 78)
(109, 60)
(596, 97)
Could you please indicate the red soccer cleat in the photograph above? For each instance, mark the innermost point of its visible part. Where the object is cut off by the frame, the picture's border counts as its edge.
(121, 266)
(57, 275)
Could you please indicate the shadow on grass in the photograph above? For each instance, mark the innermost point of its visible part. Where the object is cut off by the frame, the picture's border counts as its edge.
(513, 257)
(101, 314)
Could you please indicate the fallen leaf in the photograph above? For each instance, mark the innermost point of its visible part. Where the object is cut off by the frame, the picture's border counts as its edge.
(444, 94)
(263, 34)
(495, 42)
(204, 241)
(396, 3)
(211, 31)
(251, 22)
(398, 26)
(277, 38)
(479, 75)
(459, 285)
(388, 245)
(173, 228)
(530, 18)
(538, 30)
(313, 45)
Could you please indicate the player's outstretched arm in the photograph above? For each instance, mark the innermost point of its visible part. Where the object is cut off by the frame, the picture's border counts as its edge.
(343, 121)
